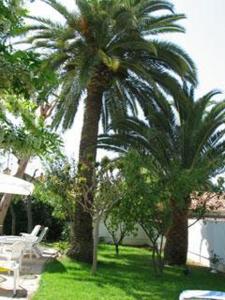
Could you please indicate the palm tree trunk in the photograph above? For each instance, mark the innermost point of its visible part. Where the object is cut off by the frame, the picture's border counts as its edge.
(82, 241)
(7, 198)
(175, 251)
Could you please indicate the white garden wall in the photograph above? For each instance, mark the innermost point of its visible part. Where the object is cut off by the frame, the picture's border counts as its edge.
(139, 239)
(206, 236)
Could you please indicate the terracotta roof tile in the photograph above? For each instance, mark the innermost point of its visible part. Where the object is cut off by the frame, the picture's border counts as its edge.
(212, 202)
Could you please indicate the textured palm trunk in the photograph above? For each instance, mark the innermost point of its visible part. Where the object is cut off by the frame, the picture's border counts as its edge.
(82, 241)
(7, 198)
(176, 247)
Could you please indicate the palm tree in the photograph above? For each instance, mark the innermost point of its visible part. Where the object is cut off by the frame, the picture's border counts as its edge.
(106, 54)
(186, 141)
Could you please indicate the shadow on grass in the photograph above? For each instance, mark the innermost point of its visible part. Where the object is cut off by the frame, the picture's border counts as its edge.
(131, 274)
(55, 266)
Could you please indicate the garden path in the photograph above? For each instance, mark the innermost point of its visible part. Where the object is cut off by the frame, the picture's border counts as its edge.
(29, 277)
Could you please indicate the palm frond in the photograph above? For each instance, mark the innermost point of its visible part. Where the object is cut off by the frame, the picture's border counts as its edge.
(61, 9)
(68, 105)
(150, 6)
(161, 24)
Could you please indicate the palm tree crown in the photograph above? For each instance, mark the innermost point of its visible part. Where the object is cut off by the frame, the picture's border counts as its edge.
(109, 45)
(184, 135)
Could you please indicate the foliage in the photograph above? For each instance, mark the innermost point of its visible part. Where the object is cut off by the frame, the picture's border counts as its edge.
(56, 187)
(61, 246)
(20, 70)
(119, 223)
(22, 74)
(184, 140)
(112, 190)
(42, 213)
(11, 13)
(109, 186)
(107, 189)
(215, 259)
(23, 132)
(127, 277)
(14, 66)
(146, 202)
(22, 79)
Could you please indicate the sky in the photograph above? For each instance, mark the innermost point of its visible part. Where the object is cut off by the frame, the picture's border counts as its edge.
(204, 41)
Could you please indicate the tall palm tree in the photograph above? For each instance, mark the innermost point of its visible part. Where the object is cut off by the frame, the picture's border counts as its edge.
(186, 142)
(106, 53)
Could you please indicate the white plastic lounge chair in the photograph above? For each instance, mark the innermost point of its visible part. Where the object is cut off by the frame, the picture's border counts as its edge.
(10, 239)
(201, 295)
(34, 232)
(35, 249)
(31, 242)
(11, 260)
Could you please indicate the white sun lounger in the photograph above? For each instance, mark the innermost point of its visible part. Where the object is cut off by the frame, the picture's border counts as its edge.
(35, 249)
(31, 242)
(11, 259)
(34, 232)
(202, 295)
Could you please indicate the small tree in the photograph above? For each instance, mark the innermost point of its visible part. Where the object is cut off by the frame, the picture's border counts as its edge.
(147, 202)
(119, 223)
(108, 192)
(56, 187)
(155, 220)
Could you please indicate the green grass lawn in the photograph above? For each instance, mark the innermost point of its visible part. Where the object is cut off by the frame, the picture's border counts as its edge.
(128, 277)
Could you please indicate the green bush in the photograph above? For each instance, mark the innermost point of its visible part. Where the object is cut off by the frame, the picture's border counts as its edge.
(41, 214)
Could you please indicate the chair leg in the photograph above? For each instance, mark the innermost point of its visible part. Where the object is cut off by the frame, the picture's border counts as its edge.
(14, 281)
(36, 251)
(16, 275)
(20, 263)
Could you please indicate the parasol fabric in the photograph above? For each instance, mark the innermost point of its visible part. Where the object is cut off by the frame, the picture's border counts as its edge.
(13, 185)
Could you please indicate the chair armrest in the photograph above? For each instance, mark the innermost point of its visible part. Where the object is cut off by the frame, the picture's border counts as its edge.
(9, 265)
(6, 256)
(30, 239)
(25, 234)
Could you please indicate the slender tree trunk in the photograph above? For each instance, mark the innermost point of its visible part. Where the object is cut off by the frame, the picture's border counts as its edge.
(95, 246)
(13, 224)
(117, 248)
(29, 214)
(82, 241)
(7, 198)
(176, 247)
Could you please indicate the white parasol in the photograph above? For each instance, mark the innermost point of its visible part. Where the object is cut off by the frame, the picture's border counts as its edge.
(13, 185)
